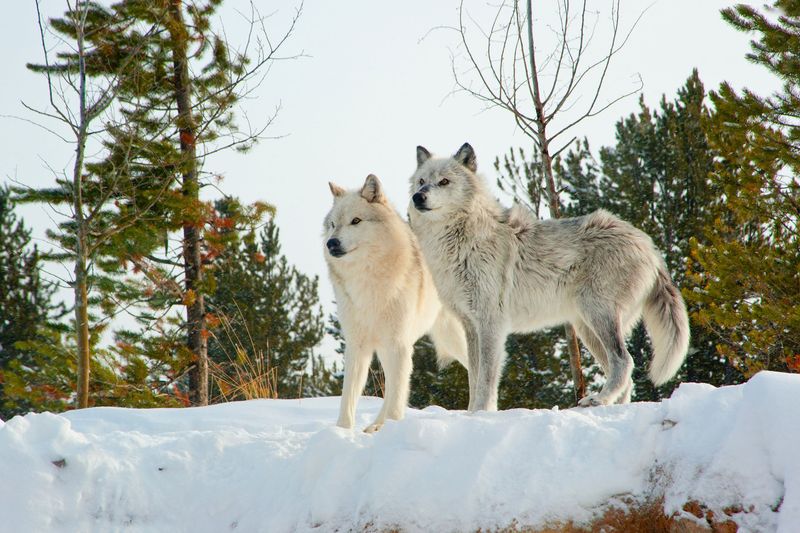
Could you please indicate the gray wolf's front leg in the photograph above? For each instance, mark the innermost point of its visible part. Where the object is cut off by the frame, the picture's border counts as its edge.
(491, 338)
(473, 358)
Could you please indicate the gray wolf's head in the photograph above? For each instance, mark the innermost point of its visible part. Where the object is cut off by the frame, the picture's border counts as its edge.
(358, 222)
(441, 185)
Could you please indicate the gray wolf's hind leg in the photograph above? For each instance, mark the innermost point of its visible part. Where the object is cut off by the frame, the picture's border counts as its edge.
(592, 344)
(595, 347)
(606, 329)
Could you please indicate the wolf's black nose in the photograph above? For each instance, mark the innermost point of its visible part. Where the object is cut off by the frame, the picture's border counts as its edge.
(419, 199)
(335, 247)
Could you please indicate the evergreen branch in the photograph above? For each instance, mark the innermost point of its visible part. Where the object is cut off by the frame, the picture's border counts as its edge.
(166, 284)
(161, 261)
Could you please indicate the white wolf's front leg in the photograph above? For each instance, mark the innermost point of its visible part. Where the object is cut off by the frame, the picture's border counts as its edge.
(356, 364)
(397, 363)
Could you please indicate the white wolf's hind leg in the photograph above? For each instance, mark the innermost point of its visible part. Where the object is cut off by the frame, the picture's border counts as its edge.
(356, 365)
(396, 362)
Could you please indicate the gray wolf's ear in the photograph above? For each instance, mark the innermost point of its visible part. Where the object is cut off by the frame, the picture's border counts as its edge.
(422, 155)
(466, 156)
(372, 191)
(336, 191)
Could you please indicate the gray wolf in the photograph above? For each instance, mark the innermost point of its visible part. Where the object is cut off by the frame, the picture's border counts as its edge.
(503, 270)
(385, 297)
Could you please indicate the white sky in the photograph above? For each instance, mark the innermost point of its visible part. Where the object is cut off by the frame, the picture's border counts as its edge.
(376, 82)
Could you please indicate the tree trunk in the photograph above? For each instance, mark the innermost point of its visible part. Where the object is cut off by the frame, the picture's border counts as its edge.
(81, 228)
(572, 339)
(569, 331)
(196, 339)
(82, 324)
(579, 383)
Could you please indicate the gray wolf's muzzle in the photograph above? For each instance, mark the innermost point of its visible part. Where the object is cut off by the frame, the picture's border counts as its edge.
(335, 247)
(420, 198)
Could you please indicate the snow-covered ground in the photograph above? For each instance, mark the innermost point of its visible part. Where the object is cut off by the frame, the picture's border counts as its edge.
(281, 465)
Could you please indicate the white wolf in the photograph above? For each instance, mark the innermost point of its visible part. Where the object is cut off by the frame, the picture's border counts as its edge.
(385, 297)
(502, 270)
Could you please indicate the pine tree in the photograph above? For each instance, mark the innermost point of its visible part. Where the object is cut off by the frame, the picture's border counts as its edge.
(176, 97)
(104, 204)
(537, 374)
(749, 270)
(267, 309)
(38, 352)
(656, 176)
(26, 310)
(446, 387)
(579, 175)
(196, 90)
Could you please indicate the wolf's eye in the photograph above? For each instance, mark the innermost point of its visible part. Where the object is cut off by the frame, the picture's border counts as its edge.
(333, 225)
(443, 182)
(355, 221)
(421, 181)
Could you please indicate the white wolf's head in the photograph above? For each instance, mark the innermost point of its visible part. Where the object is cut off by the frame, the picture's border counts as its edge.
(359, 223)
(442, 185)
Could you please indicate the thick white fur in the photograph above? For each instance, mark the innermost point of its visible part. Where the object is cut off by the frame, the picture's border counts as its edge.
(385, 297)
(502, 270)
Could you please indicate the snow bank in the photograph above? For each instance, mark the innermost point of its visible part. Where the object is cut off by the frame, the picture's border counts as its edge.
(281, 465)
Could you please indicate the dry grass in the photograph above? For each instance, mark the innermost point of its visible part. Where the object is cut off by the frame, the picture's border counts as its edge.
(646, 517)
(247, 374)
(378, 381)
(635, 518)
(244, 376)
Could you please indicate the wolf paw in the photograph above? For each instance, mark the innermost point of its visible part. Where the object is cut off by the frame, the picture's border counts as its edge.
(592, 400)
(372, 428)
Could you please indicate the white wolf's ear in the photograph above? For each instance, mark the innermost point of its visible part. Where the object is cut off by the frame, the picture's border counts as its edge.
(466, 156)
(422, 155)
(372, 191)
(336, 191)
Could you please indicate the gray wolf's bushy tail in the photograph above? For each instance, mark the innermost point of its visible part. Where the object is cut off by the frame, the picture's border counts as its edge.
(668, 325)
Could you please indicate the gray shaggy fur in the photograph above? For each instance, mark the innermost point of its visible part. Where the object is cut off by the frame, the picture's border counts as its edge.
(502, 271)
